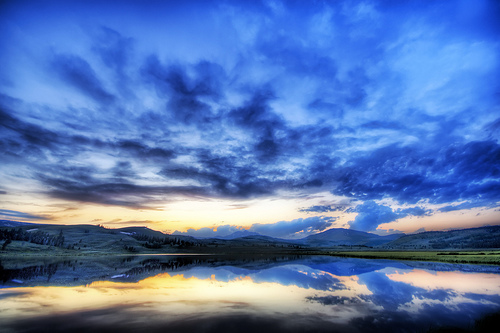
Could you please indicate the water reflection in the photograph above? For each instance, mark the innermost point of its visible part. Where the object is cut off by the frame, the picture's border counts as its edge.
(209, 294)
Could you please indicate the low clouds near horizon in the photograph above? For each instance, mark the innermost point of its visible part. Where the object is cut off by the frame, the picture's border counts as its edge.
(295, 229)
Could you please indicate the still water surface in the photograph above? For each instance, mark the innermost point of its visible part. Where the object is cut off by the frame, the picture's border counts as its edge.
(243, 294)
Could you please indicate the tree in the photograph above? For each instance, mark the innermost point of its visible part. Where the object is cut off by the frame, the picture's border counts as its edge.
(7, 242)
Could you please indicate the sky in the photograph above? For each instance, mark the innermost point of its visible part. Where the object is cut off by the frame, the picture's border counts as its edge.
(285, 118)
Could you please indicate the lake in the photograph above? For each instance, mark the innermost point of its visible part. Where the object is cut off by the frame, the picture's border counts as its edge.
(244, 294)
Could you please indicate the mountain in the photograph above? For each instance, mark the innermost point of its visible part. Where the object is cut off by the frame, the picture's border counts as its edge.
(473, 238)
(20, 237)
(140, 231)
(239, 234)
(269, 239)
(340, 236)
(13, 224)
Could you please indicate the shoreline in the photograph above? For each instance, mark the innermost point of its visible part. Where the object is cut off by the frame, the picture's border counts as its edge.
(478, 257)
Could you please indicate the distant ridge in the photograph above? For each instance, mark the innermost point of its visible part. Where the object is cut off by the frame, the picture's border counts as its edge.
(240, 234)
(12, 224)
(349, 237)
(472, 238)
(90, 238)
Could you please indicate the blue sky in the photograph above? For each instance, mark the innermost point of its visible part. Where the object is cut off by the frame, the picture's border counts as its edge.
(288, 117)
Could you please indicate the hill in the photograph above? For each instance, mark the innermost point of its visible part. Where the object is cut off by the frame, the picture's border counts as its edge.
(49, 239)
(12, 224)
(473, 238)
(82, 239)
(347, 237)
(88, 239)
(240, 234)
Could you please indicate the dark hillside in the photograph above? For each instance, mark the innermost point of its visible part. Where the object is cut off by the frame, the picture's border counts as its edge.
(474, 238)
(347, 237)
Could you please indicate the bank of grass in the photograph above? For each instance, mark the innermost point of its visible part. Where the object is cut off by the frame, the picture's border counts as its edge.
(490, 257)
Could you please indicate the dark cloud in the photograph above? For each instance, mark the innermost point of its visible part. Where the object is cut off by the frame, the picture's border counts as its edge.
(20, 137)
(85, 188)
(184, 93)
(414, 211)
(115, 51)
(257, 114)
(218, 175)
(465, 205)
(408, 174)
(221, 177)
(26, 140)
(5, 213)
(77, 72)
(334, 300)
(323, 209)
(123, 170)
(257, 117)
(139, 149)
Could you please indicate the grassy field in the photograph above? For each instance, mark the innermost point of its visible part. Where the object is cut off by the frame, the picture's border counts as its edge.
(460, 257)
(490, 257)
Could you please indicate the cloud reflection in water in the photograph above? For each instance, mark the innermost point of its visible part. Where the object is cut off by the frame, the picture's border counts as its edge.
(293, 296)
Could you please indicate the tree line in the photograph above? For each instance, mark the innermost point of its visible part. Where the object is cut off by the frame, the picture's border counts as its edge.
(152, 242)
(36, 237)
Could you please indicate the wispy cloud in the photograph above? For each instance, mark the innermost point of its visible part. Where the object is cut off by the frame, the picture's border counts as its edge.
(13, 214)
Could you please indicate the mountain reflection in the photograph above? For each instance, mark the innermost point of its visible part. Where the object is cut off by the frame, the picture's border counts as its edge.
(209, 294)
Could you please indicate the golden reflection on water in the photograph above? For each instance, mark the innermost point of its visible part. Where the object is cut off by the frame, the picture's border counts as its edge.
(176, 294)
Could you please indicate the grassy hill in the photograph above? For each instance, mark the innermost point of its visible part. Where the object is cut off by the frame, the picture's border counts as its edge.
(347, 237)
(473, 238)
(91, 239)
(84, 240)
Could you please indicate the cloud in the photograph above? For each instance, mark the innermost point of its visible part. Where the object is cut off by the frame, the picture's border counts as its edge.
(457, 172)
(116, 52)
(294, 229)
(334, 300)
(297, 228)
(115, 194)
(323, 209)
(371, 215)
(77, 72)
(19, 134)
(220, 231)
(185, 93)
(464, 205)
(414, 211)
(8, 214)
(135, 148)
